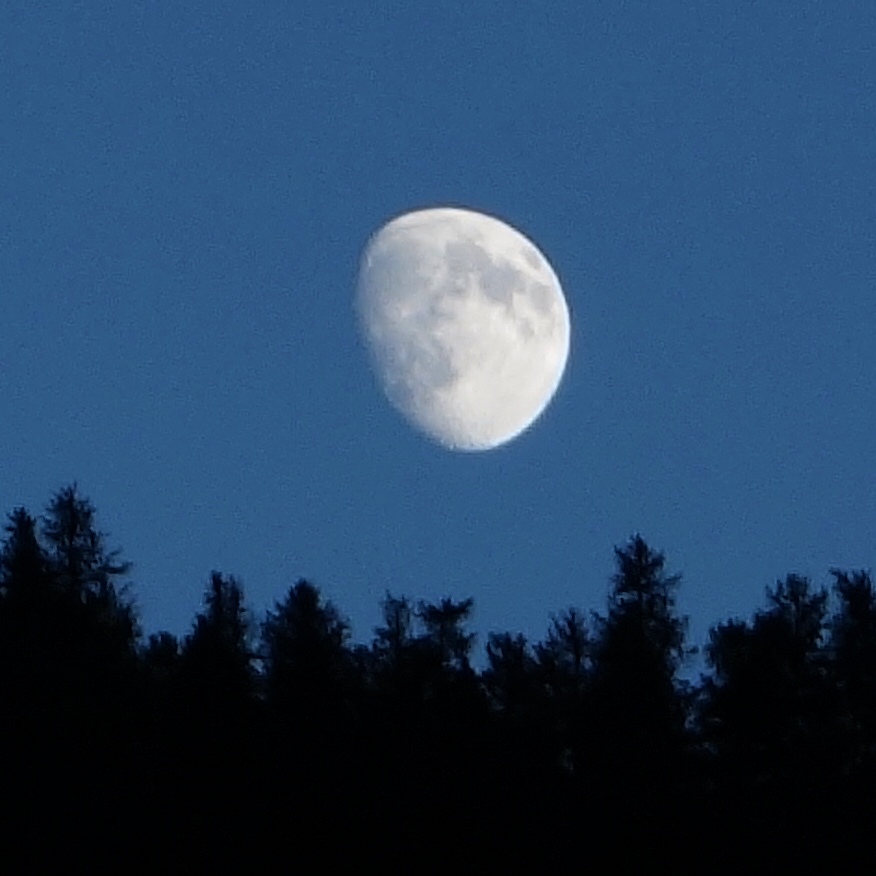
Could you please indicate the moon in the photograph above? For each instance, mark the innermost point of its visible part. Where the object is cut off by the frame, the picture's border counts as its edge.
(466, 325)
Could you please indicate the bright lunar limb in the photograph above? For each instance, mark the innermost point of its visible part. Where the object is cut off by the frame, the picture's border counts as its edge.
(466, 324)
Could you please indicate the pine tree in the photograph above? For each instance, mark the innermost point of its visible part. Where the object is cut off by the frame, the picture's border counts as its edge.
(634, 742)
(306, 662)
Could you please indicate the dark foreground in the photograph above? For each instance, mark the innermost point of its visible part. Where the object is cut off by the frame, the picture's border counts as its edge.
(282, 745)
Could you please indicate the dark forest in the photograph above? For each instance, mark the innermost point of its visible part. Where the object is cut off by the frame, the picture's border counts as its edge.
(278, 742)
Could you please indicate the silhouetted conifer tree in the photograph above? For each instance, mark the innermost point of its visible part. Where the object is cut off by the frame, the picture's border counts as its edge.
(23, 563)
(77, 550)
(511, 679)
(216, 661)
(306, 663)
(69, 636)
(216, 711)
(394, 675)
(853, 653)
(634, 741)
(392, 640)
(564, 668)
(526, 749)
(638, 651)
(444, 631)
(29, 679)
(102, 627)
(766, 719)
(565, 655)
(28, 605)
(766, 678)
(310, 687)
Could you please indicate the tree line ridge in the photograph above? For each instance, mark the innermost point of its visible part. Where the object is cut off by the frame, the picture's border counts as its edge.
(278, 739)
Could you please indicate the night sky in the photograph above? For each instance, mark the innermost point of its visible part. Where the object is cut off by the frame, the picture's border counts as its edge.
(185, 192)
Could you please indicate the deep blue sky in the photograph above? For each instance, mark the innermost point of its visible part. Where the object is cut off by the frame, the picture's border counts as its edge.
(185, 190)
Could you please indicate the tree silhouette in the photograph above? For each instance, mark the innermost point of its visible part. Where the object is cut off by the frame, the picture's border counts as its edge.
(26, 597)
(853, 653)
(216, 660)
(444, 633)
(28, 676)
(215, 710)
(639, 649)
(510, 678)
(247, 743)
(23, 563)
(850, 791)
(68, 649)
(308, 678)
(76, 548)
(306, 664)
(534, 706)
(766, 677)
(766, 719)
(564, 669)
(634, 740)
(392, 641)
(392, 666)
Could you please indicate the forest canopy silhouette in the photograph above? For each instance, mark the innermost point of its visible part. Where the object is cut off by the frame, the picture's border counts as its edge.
(279, 739)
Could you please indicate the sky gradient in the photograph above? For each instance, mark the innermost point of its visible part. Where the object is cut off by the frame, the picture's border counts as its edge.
(185, 192)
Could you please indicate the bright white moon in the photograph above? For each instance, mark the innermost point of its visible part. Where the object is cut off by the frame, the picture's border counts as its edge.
(466, 324)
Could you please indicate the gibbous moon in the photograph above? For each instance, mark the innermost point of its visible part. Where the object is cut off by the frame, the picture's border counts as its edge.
(466, 325)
